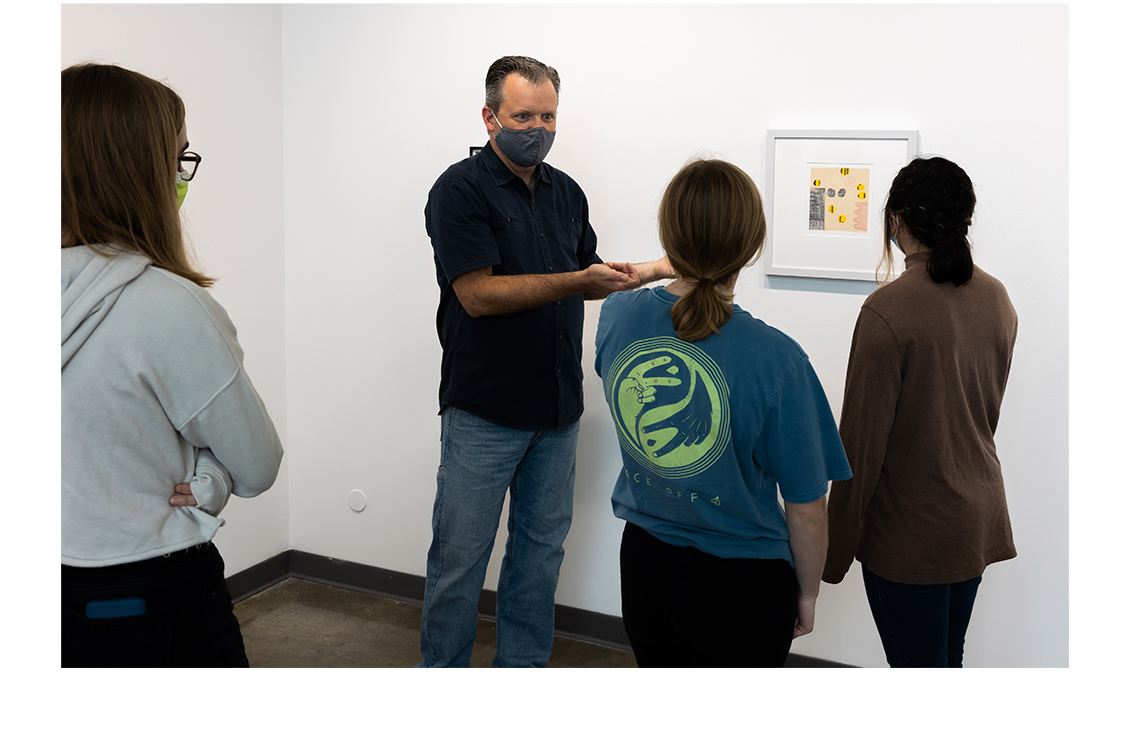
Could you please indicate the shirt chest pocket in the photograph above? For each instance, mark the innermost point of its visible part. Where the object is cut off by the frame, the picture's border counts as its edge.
(517, 241)
(564, 241)
(529, 245)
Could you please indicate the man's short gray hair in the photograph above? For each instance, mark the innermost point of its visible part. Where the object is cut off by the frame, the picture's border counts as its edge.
(533, 71)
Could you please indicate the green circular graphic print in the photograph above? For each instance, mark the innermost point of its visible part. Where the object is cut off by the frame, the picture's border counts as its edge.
(671, 405)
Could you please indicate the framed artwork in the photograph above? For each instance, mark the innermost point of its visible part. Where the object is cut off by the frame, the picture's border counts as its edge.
(475, 150)
(824, 197)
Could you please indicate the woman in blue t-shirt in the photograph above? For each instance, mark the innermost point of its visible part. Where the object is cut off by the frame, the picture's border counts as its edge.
(715, 411)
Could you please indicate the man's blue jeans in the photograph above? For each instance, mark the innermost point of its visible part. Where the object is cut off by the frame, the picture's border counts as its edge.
(479, 460)
(921, 625)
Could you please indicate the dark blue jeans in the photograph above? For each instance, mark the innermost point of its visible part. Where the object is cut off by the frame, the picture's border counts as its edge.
(189, 620)
(683, 607)
(921, 625)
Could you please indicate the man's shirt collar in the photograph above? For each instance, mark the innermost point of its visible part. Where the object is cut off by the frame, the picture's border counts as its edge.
(502, 174)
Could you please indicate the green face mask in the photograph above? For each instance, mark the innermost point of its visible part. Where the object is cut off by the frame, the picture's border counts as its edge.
(182, 191)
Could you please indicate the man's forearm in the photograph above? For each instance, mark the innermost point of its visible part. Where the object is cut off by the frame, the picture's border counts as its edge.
(502, 295)
(481, 293)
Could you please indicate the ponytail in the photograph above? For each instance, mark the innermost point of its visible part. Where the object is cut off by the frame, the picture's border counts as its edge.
(711, 225)
(951, 258)
(701, 312)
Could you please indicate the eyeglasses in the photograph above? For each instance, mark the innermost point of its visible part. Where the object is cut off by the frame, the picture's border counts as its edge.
(187, 164)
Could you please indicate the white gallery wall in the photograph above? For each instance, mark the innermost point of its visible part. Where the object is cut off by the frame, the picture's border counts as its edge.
(377, 100)
(224, 61)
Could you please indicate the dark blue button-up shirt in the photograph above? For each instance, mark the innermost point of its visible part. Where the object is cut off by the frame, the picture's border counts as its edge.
(521, 370)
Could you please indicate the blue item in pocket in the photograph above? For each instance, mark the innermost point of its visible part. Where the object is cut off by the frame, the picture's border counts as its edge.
(130, 607)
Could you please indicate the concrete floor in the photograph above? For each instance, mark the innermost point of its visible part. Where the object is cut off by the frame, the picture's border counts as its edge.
(302, 624)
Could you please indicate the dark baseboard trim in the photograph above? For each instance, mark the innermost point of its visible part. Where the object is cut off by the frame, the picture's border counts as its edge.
(259, 577)
(800, 660)
(571, 622)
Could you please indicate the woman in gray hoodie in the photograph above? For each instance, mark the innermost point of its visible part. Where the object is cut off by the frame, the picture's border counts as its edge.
(160, 422)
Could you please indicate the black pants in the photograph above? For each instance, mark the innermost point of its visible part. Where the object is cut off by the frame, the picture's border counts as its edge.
(189, 621)
(921, 625)
(685, 608)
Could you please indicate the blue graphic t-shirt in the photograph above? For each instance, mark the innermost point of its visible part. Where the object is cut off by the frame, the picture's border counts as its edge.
(708, 431)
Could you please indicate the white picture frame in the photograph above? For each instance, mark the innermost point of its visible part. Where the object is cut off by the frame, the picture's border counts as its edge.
(847, 243)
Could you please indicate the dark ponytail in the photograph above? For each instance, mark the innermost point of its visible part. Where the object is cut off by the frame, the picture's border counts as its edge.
(934, 199)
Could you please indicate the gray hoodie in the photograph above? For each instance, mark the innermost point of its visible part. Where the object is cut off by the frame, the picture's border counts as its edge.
(153, 394)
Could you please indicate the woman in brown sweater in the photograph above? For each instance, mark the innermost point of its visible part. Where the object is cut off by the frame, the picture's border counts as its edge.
(924, 511)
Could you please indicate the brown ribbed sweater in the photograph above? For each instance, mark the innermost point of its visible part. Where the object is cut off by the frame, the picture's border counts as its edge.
(925, 381)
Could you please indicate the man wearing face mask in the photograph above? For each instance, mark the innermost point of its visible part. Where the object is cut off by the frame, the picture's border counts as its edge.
(515, 259)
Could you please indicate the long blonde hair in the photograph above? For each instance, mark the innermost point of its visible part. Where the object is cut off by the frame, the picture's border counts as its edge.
(711, 225)
(119, 164)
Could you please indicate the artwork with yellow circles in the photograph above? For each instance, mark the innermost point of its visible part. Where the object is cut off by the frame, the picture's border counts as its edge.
(838, 196)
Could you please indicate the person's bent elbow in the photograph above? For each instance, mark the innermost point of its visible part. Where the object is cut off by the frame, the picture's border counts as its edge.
(258, 480)
(255, 486)
(473, 307)
(470, 290)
